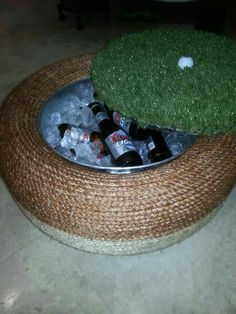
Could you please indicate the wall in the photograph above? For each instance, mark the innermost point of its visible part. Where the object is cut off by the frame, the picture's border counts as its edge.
(15, 12)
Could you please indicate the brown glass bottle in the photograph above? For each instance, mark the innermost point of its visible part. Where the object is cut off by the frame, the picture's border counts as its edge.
(116, 141)
(85, 135)
(161, 150)
(158, 149)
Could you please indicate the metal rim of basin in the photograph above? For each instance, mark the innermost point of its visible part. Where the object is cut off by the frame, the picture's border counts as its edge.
(69, 90)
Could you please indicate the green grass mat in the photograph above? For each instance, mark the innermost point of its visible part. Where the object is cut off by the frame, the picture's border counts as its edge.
(139, 76)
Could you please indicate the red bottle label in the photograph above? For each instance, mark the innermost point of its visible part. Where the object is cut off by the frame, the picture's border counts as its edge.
(119, 143)
(85, 137)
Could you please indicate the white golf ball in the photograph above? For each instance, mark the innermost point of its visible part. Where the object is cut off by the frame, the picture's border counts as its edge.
(185, 62)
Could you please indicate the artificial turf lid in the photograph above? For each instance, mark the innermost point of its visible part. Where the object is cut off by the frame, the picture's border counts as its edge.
(139, 76)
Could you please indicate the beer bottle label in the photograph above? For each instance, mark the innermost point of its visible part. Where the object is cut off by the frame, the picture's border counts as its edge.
(100, 116)
(150, 144)
(121, 121)
(119, 143)
(80, 135)
(84, 137)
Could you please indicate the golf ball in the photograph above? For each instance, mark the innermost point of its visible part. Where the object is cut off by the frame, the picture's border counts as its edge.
(185, 62)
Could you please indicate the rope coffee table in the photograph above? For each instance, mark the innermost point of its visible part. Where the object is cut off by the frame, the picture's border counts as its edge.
(100, 212)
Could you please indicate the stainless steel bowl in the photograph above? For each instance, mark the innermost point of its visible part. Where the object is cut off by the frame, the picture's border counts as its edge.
(85, 91)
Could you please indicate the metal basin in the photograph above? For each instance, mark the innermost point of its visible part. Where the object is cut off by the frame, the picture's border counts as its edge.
(83, 89)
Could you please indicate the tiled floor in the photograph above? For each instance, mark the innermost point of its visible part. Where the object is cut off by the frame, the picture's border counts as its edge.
(40, 275)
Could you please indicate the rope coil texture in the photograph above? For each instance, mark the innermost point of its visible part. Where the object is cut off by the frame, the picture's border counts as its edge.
(109, 209)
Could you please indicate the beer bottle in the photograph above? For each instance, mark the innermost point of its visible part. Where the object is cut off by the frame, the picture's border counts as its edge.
(157, 147)
(116, 141)
(76, 135)
(79, 134)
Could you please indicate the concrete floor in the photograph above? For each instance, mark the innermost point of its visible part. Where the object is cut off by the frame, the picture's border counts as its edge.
(40, 275)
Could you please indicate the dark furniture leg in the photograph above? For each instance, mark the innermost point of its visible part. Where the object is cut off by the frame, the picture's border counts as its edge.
(83, 8)
(79, 24)
(62, 16)
(107, 11)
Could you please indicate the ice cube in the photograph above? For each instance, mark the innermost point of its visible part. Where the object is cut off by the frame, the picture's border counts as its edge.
(176, 148)
(75, 133)
(85, 90)
(74, 118)
(55, 118)
(67, 140)
(85, 154)
(80, 116)
(70, 103)
(178, 142)
(88, 120)
(70, 110)
(52, 136)
(105, 161)
(68, 153)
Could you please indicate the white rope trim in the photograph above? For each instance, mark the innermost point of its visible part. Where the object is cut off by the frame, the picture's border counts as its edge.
(118, 247)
